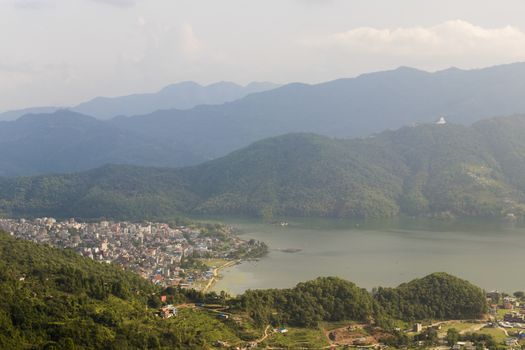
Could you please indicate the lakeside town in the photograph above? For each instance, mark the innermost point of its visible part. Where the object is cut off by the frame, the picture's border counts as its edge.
(167, 255)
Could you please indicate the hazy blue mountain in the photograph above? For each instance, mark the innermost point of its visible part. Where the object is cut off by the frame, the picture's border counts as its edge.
(446, 170)
(342, 108)
(15, 114)
(67, 141)
(183, 95)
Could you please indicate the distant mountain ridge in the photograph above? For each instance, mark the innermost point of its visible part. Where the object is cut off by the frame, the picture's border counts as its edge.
(342, 108)
(429, 170)
(184, 95)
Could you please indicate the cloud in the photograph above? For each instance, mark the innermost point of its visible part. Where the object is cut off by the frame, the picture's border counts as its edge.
(451, 38)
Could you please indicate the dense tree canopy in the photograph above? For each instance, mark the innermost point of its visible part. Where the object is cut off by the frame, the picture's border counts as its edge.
(56, 299)
(445, 170)
(436, 296)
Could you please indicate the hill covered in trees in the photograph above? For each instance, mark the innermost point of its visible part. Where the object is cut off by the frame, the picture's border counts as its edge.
(445, 170)
(55, 299)
(438, 296)
(357, 107)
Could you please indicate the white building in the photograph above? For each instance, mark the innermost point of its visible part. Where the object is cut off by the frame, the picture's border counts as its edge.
(441, 121)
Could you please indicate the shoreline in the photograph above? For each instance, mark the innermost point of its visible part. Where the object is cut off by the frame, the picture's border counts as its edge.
(216, 276)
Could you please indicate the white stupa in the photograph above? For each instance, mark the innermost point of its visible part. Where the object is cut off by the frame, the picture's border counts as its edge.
(441, 121)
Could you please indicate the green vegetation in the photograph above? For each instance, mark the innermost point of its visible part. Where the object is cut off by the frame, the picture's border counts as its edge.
(307, 304)
(429, 170)
(55, 299)
(497, 334)
(437, 296)
(297, 338)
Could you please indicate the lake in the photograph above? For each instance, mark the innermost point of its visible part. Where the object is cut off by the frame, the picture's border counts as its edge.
(387, 253)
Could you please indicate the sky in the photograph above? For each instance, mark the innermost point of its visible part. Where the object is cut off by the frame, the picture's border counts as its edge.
(62, 52)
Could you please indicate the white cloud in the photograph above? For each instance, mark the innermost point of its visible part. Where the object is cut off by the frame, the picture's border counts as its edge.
(449, 39)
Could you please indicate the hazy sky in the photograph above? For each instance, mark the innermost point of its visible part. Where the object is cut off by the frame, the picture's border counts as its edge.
(61, 52)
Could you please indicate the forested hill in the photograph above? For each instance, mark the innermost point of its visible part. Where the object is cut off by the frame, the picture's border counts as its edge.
(430, 169)
(438, 296)
(55, 299)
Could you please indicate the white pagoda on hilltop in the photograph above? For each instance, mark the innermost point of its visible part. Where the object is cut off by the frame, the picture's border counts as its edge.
(441, 121)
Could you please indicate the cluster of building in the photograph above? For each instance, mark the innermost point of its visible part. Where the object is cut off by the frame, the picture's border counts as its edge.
(514, 317)
(157, 251)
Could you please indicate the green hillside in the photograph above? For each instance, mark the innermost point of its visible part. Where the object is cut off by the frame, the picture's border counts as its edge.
(437, 170)
(55, 299)
(436, 296)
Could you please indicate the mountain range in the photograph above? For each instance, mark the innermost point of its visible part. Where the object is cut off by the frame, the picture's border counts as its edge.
(184, 95)
(67, 141)
(444, 170)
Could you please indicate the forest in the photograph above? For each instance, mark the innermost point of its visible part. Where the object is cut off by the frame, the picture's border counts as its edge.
(426, 170)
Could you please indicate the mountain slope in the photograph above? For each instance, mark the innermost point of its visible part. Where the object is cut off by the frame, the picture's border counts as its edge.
(15, 114)
(55, 297)
(353, 107)
(66, 141)
(417, 171)
(430, 169)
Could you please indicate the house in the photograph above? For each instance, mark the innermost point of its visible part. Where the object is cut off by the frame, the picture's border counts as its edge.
(282, 330)
(223, 316)
(418, 327)
(168, 311)
(514, 317)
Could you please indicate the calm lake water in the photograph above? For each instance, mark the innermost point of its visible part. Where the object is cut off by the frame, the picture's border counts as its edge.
(386, 253)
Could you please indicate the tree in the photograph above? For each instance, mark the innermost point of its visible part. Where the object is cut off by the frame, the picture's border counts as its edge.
(452, 336)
